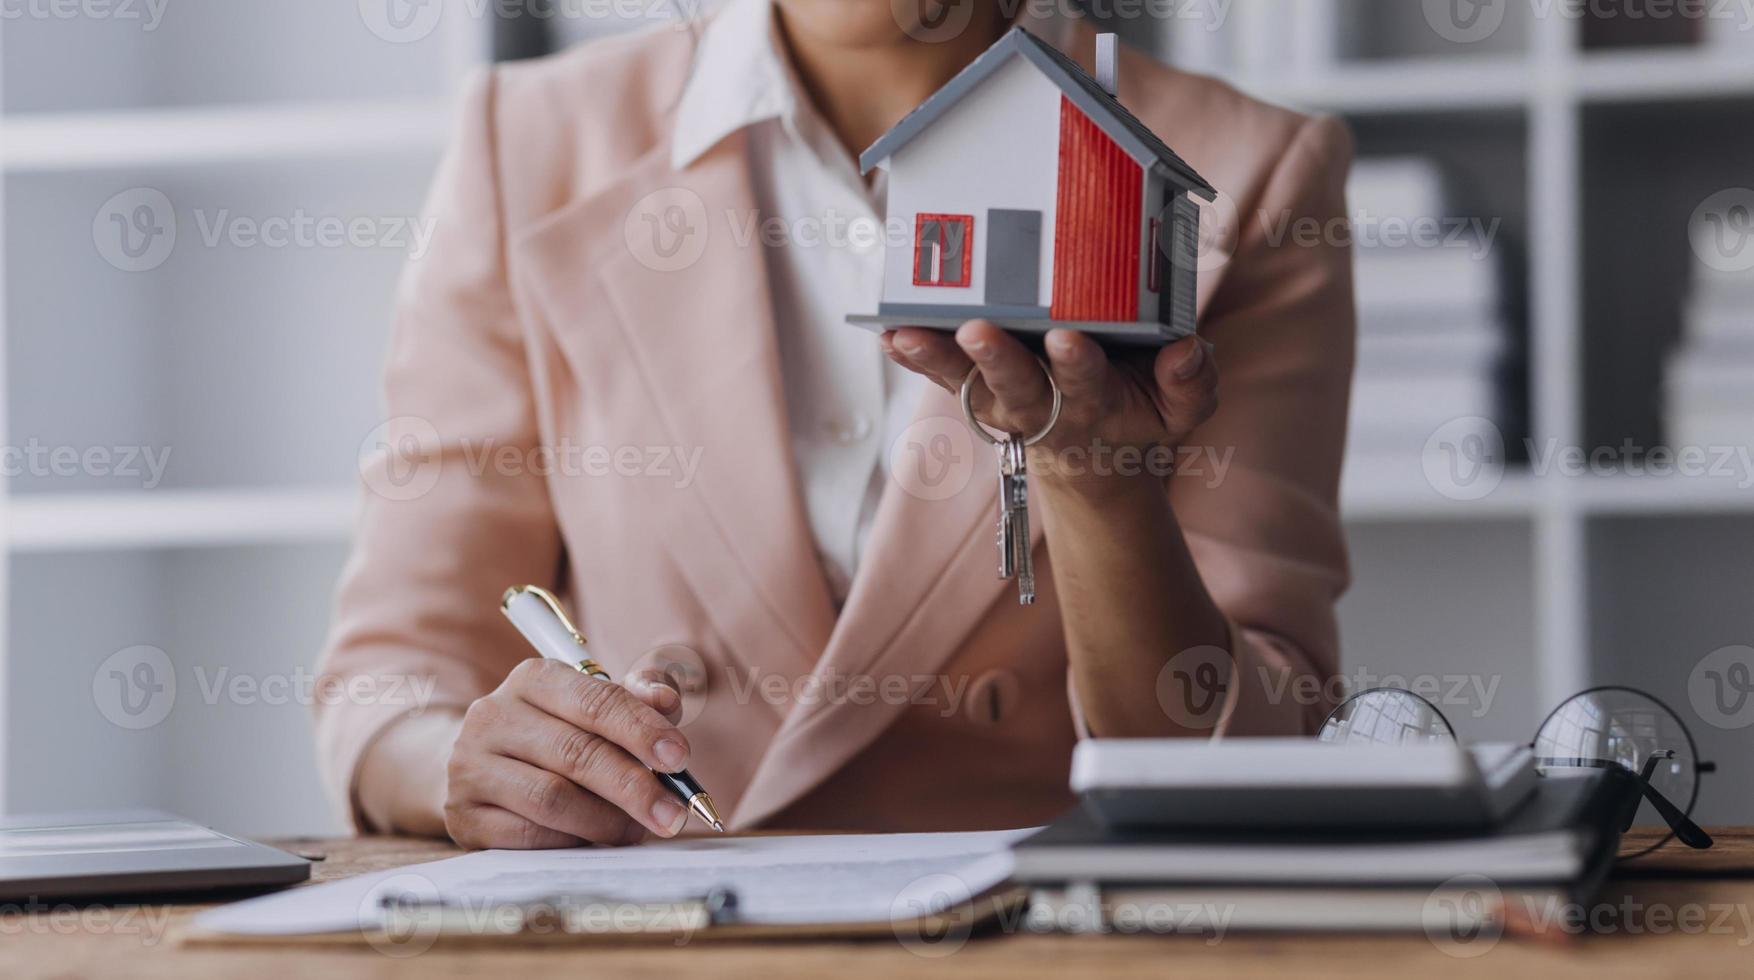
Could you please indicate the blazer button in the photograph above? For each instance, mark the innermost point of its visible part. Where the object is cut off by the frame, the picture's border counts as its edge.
(992, 697)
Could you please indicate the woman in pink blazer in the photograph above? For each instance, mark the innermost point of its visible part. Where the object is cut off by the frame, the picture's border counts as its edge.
(546, 363)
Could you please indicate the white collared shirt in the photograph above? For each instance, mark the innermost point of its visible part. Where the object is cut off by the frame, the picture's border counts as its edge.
(845, 401)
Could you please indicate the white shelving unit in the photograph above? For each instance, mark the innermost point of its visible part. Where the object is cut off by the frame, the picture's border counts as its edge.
(1552, 582)
(138, 138)
(68, 522)
(254, 367)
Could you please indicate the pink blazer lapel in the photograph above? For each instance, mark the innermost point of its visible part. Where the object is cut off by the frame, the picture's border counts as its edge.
(657, 256)
(928, 578)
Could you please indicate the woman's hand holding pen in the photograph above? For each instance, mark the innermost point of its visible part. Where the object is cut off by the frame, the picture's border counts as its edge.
(1138, 399)
(556, 758)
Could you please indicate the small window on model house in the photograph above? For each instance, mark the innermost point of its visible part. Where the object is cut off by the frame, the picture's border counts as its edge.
(941, 249)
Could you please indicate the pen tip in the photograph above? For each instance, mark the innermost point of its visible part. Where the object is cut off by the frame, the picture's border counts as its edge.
(702, 805)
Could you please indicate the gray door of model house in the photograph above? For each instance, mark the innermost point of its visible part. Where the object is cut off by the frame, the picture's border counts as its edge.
(1013, 258)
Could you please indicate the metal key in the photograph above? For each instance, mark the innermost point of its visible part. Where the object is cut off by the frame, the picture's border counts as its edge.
(1015, 561)
(1007, 552)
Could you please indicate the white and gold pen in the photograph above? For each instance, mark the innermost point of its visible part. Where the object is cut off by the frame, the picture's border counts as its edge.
(537, 614)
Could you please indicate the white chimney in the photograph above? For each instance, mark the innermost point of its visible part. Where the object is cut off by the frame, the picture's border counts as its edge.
(1105, 62)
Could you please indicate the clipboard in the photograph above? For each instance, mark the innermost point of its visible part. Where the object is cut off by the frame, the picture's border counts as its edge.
(582, 920)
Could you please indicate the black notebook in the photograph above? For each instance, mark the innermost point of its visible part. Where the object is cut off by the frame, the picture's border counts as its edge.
(1566, 832)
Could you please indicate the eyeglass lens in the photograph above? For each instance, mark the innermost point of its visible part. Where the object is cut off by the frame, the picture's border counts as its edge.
(1627, 728)
(1386, 716)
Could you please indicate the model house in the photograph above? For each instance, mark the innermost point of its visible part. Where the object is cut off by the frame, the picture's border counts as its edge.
(1037, 201)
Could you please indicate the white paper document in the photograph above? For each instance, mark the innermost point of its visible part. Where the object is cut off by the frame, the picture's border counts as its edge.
(777, 880)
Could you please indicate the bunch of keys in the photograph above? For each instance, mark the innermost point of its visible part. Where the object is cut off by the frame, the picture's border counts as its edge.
(1015, 560)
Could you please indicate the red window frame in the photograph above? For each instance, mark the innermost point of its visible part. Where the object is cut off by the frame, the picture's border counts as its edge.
(963, 274)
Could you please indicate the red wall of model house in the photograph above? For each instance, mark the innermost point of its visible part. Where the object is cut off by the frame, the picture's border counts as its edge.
(1096, 232)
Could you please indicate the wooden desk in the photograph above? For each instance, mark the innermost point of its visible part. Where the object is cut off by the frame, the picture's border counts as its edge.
(138, 942)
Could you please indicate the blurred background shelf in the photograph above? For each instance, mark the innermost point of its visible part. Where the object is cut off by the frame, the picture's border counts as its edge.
(1655, 75)
(252, 369)
(153, 519)
(237, 624)
(1403, 495)
(114, 57)
(218, 134)
(1463, 85)
(1674, 496)
(1404, 86)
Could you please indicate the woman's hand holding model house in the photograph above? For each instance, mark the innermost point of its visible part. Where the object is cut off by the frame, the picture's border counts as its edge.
(1119, 555)
(1144, 400)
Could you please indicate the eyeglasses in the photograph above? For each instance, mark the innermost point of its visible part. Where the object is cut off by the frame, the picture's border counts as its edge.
(1607, 727)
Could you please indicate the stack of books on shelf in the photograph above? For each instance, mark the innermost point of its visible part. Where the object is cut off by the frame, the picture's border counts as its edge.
(1709, 390)
(1432, 339)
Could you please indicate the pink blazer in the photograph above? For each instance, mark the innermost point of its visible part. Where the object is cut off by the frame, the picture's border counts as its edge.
(933, 700)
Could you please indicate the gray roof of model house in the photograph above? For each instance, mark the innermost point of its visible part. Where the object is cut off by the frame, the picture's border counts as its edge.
(1103, 109)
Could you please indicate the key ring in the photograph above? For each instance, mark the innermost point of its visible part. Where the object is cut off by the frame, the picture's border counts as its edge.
(980, 429)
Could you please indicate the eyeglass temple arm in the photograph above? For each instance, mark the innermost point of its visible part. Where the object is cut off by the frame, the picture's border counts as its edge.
(1689, 832)
(1686, 831)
